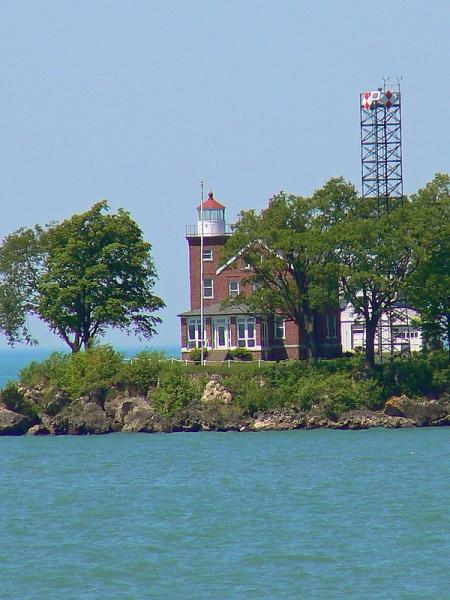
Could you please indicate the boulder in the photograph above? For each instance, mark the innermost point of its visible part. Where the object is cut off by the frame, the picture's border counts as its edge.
(39, 429)
(279, 420)
(59, 401)
(366, 419)
(12, 423)
(216, 392)
(142, 418)
(35, 394)
(421, 412)
(82, 417)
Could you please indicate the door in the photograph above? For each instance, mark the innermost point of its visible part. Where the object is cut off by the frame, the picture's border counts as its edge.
(220, 326)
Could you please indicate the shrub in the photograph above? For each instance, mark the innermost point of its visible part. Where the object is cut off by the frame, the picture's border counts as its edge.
(97, 368)
(240, 354)
(196, 355)
(14, 400)
(337, 393)
(143, 370)
(176, 389)
(412, 376)
(251, 396)
(47, 372)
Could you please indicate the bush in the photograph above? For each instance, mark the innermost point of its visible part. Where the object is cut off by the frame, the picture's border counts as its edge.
(240, 354)
(412, 376)
(337, 393)
(196, 355)
(176, 389)
(76, 374)
(48, 372)
(14, 400)
(143, 370)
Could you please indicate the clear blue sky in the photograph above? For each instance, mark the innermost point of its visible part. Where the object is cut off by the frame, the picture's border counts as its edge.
(137, 101)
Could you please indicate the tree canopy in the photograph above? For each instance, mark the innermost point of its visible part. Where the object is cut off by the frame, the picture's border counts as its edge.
(305, 253)
(284, 245)
(428, 284)
(81, 276)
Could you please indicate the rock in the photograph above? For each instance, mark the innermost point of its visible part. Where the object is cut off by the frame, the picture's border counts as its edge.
(425, 412)
(57, 403)
(82, 417)
(38, 430)
(143, 418)
(366, 419)
(12, 423)
(319, 422)
(118, 407)
(35, 394)
(216, 392)
(279, 420)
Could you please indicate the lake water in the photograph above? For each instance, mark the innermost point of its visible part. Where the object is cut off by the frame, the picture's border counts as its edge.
(270, 515)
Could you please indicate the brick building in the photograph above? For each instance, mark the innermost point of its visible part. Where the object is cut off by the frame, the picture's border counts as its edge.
(232, 326)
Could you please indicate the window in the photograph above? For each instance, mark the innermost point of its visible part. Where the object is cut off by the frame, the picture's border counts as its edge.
(208, 290)
(330, 326)
(207, 254)
(246, 332)
(194, 333)
(279, 332)
(233, 288)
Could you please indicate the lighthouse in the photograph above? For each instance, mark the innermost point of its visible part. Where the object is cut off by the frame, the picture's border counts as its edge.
(213, 217)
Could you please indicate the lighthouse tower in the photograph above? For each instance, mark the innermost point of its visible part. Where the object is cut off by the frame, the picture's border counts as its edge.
(213, 217)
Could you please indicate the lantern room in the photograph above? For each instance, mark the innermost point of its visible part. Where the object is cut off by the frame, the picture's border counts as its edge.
(211, 215)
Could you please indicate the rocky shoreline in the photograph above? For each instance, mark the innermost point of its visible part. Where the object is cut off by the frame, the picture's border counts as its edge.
(102, 412)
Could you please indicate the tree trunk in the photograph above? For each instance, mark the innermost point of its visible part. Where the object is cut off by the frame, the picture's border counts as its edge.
(371, 330)
(307, 343)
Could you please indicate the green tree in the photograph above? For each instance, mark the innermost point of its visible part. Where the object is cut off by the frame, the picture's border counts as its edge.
(81, 276)
(372, 255)
(428, 284)
(291, 270)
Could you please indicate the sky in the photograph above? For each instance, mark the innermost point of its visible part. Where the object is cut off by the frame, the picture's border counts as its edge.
(136, 101)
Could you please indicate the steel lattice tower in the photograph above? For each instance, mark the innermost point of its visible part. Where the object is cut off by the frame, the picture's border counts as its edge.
(381, 146)
(382, 180)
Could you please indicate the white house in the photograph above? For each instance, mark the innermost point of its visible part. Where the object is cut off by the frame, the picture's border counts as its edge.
(396, 333)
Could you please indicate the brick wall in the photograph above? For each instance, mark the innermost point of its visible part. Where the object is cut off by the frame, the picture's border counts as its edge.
(220, 282)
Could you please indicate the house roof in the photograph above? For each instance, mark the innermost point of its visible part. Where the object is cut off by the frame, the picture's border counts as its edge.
(211, 202)
(219, 309)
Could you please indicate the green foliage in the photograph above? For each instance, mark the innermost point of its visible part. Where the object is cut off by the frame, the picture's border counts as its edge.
(195, 355)
(94, 369)
(336, 393)
(284, 245)
(143, 370)
(243, 354)
(14, 400)
(407, 376)
(333, 386)
(46, 372)
(81, 276)
(428, 282)
(252, 395)
(419, 375)
(176, 389)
